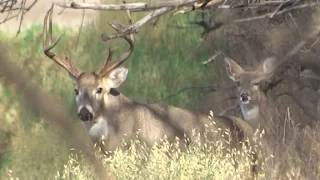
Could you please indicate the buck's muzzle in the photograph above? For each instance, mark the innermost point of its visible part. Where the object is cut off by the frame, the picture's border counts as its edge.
(85, 114)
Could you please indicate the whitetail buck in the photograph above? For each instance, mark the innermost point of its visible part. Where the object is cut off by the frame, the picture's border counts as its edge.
(254, 104)
(106, 113)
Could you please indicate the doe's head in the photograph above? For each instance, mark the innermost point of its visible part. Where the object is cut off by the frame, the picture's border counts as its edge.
(248, 81)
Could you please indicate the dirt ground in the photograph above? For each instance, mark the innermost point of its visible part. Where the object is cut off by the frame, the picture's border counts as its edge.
(69, 17)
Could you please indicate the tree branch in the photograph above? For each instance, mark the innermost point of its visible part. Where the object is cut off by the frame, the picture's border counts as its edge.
(121, 7)
(131, 29)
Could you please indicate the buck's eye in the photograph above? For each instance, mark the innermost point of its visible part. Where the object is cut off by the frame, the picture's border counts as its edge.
(99, 90)
(76, 91)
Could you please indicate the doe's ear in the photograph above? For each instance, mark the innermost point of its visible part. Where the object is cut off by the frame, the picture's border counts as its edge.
(234, 70)
(117, 77)
(265, 70)
(267, 66)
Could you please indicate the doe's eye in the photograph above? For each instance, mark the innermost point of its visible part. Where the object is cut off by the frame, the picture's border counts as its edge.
(99, 90)
(76, 91)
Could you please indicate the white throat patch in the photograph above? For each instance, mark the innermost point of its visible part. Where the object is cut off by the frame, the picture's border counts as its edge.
(97, 129)
(250, 112)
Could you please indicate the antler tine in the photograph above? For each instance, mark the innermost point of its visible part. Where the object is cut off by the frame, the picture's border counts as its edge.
(108, 66)
(47, 36)
(108, 59)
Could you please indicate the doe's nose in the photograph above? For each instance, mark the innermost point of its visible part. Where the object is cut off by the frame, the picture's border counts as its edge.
(244, 96)
(85, 114)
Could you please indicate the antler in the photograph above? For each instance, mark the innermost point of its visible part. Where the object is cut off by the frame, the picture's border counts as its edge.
(108, 66)
(64, 63)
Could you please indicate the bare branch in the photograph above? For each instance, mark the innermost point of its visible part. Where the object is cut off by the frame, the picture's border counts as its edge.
(198, 5)
(307, 5)
(212, 58)
(14, 9)
(81, 25)
(132, 29)
(21, 12)
(129, 20)
(283, 4)
(121, 7)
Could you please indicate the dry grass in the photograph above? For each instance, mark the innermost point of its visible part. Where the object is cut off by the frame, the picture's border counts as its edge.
(168, 162)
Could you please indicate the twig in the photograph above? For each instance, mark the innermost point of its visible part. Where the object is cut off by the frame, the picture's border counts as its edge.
(81, 25)
(23, 4)
(196, 6)
(295, 23)
(59, 13)
(22, 10)
(18, 8)
(211, 58)
(205, 4)
(297, 1)
(314, 43)
(279, 12)
(129, 20)
(283, 4)
(136, 27)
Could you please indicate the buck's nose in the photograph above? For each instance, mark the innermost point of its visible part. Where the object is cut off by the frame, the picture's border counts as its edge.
(85, 114)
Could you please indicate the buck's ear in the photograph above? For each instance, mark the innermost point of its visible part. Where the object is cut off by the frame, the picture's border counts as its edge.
(233, 69)
(117, 77)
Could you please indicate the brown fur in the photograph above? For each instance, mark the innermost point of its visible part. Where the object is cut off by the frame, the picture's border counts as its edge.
(154, 121)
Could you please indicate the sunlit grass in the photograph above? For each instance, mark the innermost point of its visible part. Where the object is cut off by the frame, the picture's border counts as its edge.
(167, 161)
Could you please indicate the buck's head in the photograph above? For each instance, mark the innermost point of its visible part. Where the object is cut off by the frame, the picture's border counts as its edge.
(91, 89)
(248, 81)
